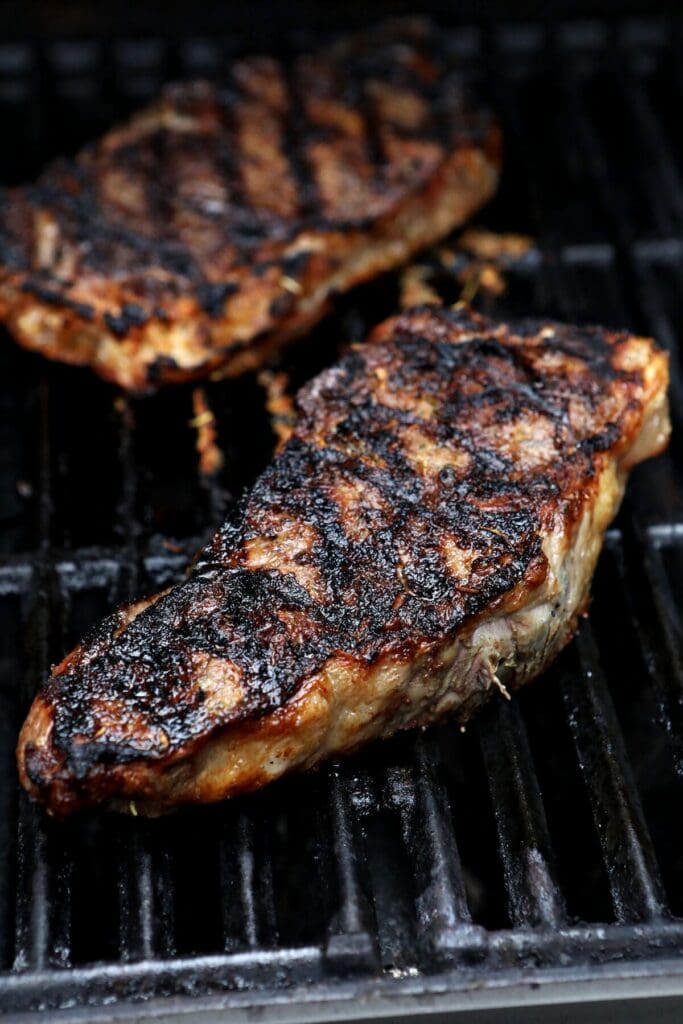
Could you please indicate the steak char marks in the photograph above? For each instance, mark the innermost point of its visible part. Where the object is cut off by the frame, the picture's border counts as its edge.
(221, 220)
(425, 538)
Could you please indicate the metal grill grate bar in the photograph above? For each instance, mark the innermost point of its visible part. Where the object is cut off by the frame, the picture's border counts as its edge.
(634, 880)
(32, 921)
(350, 944)
(256, 887)
(444, 921)
(164, 914)
(32, 926)
(248, 880)
(533, 896)
(33, 940)
(248, 912)
(136, 904)
(135, 885)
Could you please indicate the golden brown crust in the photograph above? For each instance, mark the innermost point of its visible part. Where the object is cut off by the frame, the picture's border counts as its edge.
(442, 498)
(217, 223)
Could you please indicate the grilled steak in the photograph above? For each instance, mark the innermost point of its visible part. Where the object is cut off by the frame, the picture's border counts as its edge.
(426, 537)
(218, 222)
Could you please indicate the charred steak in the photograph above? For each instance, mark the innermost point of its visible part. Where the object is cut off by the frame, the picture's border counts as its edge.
(426, 537)
(219, 221)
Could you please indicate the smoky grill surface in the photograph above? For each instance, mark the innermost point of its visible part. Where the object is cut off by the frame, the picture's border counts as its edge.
(544, 837)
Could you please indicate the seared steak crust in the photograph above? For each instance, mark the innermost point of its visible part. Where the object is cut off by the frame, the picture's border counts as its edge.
(218, 221)
(432, 478)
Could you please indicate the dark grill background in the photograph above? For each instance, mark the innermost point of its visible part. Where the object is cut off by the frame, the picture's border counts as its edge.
(548, 835)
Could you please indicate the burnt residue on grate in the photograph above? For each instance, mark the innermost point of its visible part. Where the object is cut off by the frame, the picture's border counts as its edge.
(547, 834)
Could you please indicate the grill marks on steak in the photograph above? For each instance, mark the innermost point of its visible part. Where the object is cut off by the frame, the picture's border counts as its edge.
(221, 218)
(438, 478)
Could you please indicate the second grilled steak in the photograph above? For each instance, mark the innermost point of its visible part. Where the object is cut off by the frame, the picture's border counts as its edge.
(426, 537)
(219, 221)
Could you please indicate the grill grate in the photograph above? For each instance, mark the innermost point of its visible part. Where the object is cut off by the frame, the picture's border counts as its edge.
(543, 844)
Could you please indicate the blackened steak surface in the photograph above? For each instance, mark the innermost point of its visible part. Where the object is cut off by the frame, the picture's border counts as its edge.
(427, 536)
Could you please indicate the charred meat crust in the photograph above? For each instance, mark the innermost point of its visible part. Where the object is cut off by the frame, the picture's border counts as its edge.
(424, 476)
(216, 223)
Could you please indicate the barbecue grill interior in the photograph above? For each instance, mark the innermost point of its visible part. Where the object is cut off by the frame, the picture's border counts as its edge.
(541, 845)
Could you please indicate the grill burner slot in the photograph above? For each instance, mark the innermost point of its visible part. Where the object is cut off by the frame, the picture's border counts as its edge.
(547, 836)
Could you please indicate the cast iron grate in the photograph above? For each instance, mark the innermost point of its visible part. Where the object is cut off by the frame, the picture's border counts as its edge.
(546, 837)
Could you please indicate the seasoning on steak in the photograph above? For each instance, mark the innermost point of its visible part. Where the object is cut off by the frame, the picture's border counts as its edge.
(221, 220)
(425, 537)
